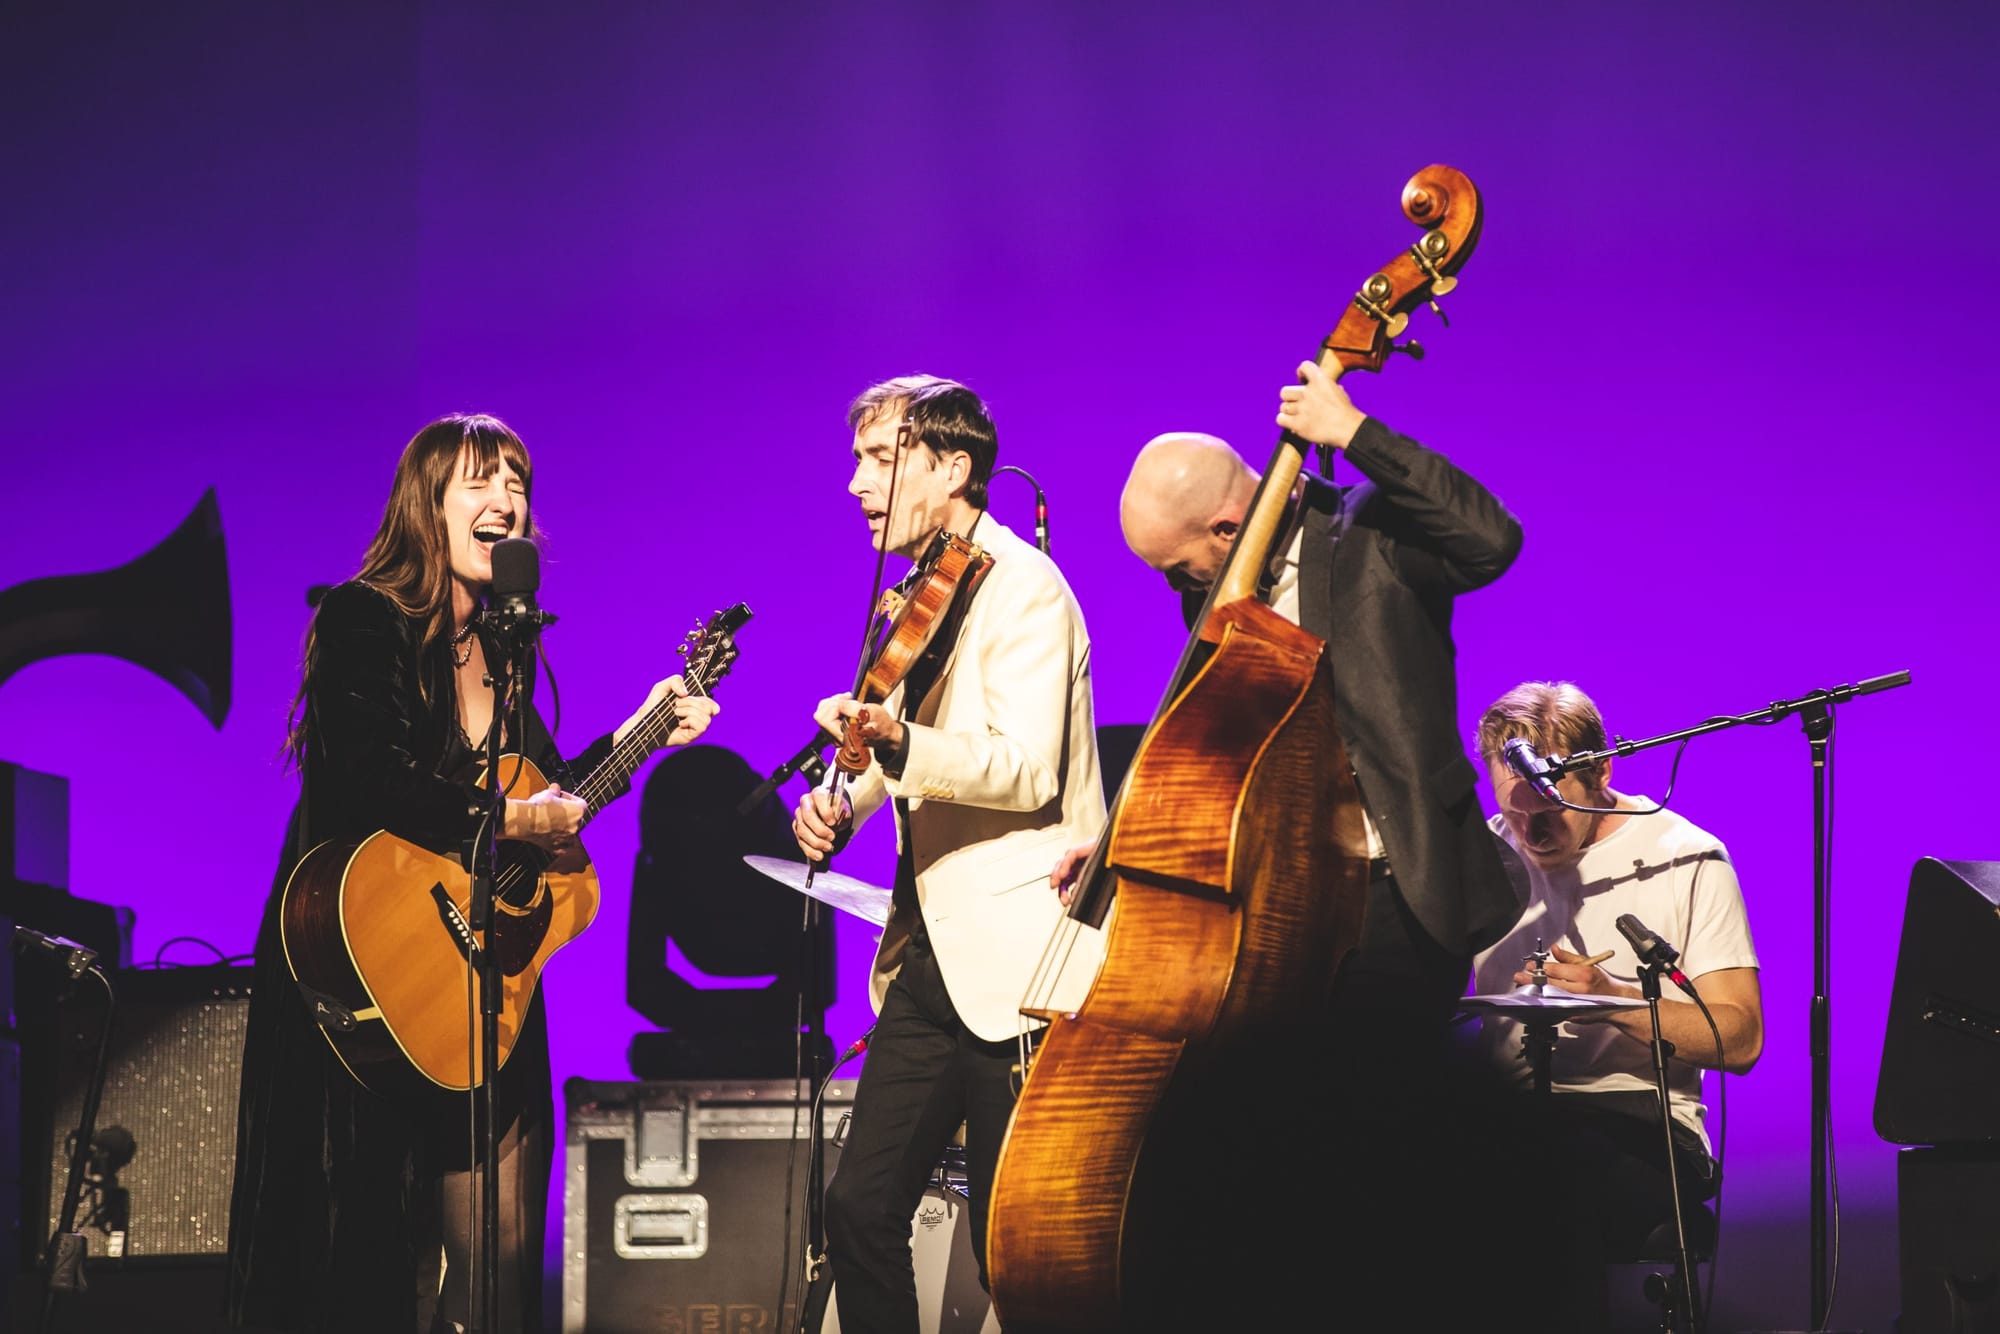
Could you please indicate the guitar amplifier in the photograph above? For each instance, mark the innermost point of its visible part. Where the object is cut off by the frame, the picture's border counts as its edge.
(675, 1199)
(174, 1070)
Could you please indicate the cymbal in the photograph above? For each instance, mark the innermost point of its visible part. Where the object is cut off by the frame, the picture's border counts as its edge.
(855, 897)
(1531, 999)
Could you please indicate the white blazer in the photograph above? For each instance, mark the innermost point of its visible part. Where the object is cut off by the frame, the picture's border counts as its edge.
(1000, 773)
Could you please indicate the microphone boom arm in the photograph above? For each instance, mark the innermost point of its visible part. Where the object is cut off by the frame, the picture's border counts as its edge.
(1557, 765)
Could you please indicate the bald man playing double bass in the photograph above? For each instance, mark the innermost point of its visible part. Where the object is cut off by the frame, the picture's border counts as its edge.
(1357, 1112)
(1373, 569)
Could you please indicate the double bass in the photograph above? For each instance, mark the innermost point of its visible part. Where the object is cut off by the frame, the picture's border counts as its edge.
(1237, 860)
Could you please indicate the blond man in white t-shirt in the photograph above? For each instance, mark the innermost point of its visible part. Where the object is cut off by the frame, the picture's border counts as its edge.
(1576, 872)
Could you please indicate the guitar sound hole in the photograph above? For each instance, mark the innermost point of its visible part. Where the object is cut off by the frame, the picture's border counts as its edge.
(520, 875)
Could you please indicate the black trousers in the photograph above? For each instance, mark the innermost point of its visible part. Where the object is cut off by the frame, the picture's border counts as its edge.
(1354, 1170)
(926, 1075)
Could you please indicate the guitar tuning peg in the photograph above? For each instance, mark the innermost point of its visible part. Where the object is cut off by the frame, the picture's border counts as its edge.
(1438, 311)
(1412, 349)
(1444, 286)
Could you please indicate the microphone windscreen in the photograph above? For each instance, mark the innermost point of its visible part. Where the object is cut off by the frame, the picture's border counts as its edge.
(114, 1147)
(1635, 934)
(517, 567)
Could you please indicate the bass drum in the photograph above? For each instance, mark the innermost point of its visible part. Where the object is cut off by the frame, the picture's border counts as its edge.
(949, 1298)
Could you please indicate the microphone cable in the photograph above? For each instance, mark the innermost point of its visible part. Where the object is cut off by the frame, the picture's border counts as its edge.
(1041, 505)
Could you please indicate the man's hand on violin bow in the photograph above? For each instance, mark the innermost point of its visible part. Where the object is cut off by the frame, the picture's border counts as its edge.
(821, 824)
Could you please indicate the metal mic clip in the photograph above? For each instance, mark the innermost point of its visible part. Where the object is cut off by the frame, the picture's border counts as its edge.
(76, 959)
(808, 761)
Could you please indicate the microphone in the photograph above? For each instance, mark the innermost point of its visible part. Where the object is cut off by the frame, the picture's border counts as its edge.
(1041, 505)
(1653, 950)
(1531, 767)
(111, 1149)
(517, 576)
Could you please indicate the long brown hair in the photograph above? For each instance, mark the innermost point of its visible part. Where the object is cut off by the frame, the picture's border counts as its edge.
(409, 560)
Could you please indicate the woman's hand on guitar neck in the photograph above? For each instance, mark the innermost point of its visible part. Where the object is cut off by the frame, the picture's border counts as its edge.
(1318, 409)
(691, 712)
(550, 819)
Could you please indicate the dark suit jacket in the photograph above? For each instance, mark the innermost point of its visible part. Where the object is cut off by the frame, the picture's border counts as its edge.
(1379, 567)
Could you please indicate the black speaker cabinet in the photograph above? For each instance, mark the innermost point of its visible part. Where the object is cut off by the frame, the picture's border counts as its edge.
(1940, 1079)
(1948, 1226)
(174, 1070)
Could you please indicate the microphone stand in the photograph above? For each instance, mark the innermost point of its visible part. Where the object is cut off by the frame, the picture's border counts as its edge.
(510, 688)
(1680, 1306)
(1815, 712)
(485, 1307)
(812, 1300)
(63, 1259)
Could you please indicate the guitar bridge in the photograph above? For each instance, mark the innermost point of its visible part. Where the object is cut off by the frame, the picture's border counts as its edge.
(454, 922)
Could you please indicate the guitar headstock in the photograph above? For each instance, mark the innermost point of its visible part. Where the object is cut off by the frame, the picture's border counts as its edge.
(1445, 203)
(710, 648)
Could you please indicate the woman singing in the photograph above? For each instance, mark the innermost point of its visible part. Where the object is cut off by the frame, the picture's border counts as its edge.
(351, 1211)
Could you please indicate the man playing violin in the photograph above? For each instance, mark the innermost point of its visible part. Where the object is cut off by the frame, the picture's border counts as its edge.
(987, 752)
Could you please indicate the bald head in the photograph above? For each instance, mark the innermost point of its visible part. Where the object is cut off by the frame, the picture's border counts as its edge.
(1183, 503)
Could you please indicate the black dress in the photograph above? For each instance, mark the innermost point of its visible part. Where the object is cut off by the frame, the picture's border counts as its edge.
(336, 1221)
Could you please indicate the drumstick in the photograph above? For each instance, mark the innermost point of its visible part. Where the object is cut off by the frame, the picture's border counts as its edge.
(1596, 958)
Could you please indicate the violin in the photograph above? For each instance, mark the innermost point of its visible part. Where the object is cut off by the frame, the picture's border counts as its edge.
(906, 633)
(910, 627)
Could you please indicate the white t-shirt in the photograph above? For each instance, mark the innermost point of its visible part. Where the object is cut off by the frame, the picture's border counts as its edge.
(1669, 874)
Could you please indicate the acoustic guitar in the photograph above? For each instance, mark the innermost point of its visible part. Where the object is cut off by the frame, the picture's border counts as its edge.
(377, 931)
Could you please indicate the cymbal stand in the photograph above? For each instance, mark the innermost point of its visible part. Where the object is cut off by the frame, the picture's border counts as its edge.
(1538, 1028)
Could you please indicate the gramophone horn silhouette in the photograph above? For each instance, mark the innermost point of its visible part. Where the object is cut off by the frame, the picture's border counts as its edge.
(167, 611)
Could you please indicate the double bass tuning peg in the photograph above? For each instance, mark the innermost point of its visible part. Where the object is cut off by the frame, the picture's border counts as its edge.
(1412, 349)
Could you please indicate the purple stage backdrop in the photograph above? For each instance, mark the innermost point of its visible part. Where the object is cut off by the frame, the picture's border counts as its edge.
(1718, 350)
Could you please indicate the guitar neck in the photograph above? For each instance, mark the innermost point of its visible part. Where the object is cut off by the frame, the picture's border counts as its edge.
(614, 772)
(1262, 525)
